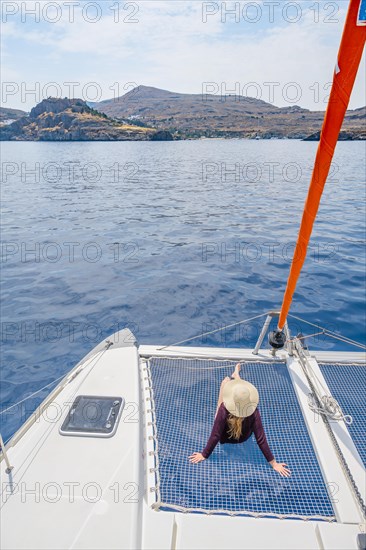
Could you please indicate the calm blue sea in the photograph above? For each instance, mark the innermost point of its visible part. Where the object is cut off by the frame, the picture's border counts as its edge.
(172, 240)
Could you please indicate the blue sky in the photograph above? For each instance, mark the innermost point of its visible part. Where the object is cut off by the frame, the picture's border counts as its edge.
(278, 51)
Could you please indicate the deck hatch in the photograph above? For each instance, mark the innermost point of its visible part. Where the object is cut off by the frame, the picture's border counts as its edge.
(93, 415)
(236, 479)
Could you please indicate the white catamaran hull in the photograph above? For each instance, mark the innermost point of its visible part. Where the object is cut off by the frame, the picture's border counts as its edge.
(100, 492)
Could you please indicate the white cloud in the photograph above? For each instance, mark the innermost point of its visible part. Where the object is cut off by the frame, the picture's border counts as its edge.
(170, 47)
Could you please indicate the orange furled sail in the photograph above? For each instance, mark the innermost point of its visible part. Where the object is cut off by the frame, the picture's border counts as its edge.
(349, 57)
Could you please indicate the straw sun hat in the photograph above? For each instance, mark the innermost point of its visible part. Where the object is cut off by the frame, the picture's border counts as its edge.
(240, 398)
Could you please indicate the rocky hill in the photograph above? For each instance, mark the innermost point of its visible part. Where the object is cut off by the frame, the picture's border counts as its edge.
(196, 115)
(73, 120)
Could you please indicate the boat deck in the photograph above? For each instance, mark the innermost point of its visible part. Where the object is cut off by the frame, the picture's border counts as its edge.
(130, 490)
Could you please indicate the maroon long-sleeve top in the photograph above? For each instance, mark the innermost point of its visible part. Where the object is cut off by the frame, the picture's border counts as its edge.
(251, 424)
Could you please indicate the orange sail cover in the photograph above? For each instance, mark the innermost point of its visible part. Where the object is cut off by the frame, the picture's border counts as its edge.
(349, 58)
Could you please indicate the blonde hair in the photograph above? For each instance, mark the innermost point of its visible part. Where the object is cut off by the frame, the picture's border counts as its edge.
(235, 424)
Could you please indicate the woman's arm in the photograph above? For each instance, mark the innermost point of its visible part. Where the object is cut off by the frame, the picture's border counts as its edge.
(216, 433)
(261, 439)
(260, 436)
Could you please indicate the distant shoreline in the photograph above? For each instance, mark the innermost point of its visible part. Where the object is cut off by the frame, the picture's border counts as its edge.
(147, 113)
(362, 140)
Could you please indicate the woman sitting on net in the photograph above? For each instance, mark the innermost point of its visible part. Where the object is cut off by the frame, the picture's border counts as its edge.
(237, 417)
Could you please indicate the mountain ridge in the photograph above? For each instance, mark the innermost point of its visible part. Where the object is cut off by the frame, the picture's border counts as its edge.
(146, 112)
(207, 115)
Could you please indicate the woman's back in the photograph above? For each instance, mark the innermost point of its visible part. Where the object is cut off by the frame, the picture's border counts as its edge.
(250, 424)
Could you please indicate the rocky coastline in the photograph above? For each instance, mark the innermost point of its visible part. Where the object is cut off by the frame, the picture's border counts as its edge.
(73, 120)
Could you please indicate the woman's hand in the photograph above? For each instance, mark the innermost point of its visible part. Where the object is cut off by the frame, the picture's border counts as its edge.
(281, 468)
(196, 457)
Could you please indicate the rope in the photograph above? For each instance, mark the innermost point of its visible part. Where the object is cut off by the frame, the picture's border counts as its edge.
(325, 331)
(331, 333)
(231, 362)
(108, 345)
(68, 378)
(157, 505)
(304, 364)
(329, 407)
(346, 340)
(213, 331)
(307, 336)
(153, 425)
(326, 405)
(32, 394)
